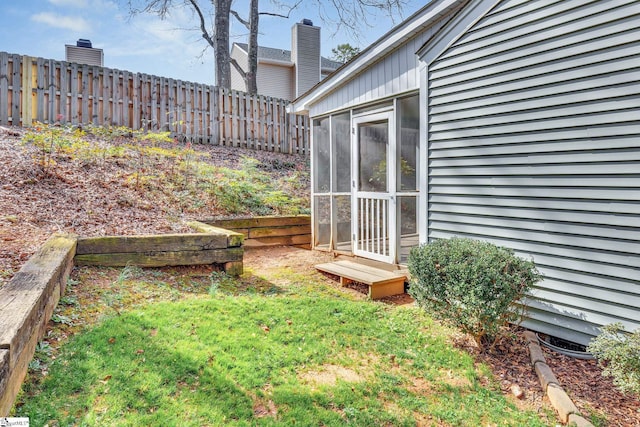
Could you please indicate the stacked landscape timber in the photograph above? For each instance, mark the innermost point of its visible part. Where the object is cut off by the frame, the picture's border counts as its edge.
(270, 230)
(27, 301)
(210, 246)
(26, 305)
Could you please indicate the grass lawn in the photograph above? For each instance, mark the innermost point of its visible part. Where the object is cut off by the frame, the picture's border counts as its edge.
(185, 347)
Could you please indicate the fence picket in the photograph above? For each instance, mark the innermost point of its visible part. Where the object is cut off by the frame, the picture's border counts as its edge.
(104, 96)
(4, 88)
(15, 92)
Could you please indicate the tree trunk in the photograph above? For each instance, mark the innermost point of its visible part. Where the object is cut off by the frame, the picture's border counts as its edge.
(252, 72)
(221, 49)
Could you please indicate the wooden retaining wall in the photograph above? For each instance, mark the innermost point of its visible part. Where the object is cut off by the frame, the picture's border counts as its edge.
(49, 91)
(270, 230)
(27, 301)
(211, 245)
(26, 305)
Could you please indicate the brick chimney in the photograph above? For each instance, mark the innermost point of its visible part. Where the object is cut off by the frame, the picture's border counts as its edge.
(305, 54)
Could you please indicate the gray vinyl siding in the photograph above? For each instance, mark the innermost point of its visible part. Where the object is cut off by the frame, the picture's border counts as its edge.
(534, 144)
(395, 73)
(305, 54)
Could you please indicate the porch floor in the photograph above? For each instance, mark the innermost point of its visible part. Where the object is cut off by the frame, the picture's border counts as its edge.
(382, 283)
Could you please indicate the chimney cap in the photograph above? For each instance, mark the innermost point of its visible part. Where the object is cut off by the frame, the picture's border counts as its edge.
(307, 21)
(83, 43)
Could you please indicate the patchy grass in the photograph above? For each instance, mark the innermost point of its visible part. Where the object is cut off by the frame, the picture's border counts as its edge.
(192, 346)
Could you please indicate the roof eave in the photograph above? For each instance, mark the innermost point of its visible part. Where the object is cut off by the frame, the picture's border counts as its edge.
(419, 20)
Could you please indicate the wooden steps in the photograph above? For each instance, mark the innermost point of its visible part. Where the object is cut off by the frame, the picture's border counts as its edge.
(382, 283)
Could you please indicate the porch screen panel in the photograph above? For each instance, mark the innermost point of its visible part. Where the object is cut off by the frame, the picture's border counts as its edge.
(321, 156)
(408, 225)
(321, 221)
(341, 139)
(372, 157)
(341, 223)
(409, 140)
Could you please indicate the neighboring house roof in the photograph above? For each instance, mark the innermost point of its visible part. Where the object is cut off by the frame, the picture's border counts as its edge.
(282, 55)
(423, 18)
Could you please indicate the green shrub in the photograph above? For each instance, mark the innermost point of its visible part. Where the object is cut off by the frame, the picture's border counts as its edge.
(470, 284)
(619, 353)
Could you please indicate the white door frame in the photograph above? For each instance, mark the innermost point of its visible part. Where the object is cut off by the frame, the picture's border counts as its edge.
(378, 206)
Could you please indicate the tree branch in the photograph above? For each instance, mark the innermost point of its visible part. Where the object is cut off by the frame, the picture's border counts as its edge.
(238, 68)
(203, 24)
(239, 18)
(280, 15)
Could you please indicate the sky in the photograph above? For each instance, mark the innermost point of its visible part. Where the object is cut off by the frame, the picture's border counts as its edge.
(146, 44)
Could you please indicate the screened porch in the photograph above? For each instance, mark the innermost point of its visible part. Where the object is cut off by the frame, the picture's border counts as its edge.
(360, 205)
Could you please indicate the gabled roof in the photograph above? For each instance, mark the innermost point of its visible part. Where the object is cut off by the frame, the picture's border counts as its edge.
(282, 55)
(418, 22)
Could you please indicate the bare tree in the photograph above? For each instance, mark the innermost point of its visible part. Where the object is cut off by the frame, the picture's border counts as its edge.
(351, 14)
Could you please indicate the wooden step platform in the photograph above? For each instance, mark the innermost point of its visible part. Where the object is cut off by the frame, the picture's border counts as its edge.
(382, 283)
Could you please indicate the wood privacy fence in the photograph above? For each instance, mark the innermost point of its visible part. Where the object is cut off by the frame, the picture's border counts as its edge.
(46, 90)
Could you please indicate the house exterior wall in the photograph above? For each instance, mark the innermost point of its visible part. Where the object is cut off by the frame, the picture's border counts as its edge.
(275, 81)
(534, 144)
(393, 74)
(237, 82)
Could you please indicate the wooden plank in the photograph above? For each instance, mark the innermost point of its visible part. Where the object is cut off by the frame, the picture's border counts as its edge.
(27, 92)
(4, 88)
(204, 113)
(234, 118)
(382, 290)
(75, 98)
(6, 386)
(162, 110)
(15, 84)
(18, 367)
(51, 81)
(135, 120)
(255, 123)
(150, 243)
(180, 108)
(233, 238)
(161, 259)
(64, 101)
(279, 231)
(262, 221)
(188, 94)
(153, 82)
(116, 105)
(171, 109)
(27, 300)
(381, 283)
(40, 90)
(300, 239)
(242, 119)
(106, 119)
(84, 94)
(359, 272)
(125, 118)
(214, 120)
(95, 95)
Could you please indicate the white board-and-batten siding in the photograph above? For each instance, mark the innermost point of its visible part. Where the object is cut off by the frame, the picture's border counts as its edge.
(534, 143)
(395, 73)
